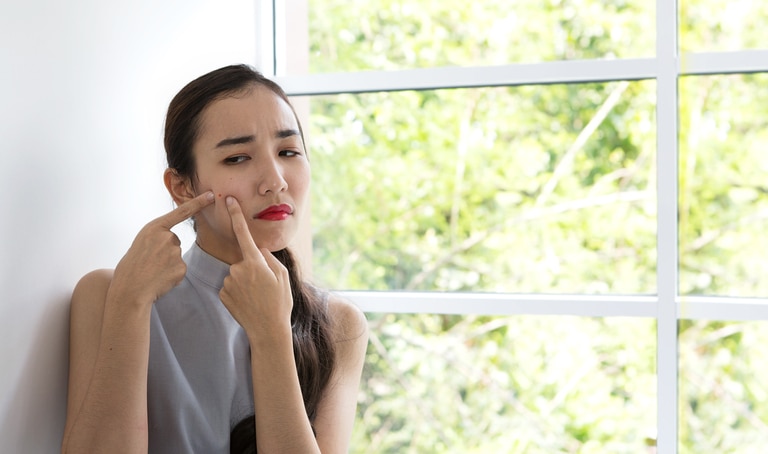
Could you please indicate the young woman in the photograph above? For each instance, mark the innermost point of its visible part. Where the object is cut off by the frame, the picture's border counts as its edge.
(226, 348)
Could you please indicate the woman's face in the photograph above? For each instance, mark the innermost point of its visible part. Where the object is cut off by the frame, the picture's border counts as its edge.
(249, 147)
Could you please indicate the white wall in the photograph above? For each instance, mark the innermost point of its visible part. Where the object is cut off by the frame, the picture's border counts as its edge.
(83, 90)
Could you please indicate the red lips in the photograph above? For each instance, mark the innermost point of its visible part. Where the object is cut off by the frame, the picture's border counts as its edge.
(275, 212)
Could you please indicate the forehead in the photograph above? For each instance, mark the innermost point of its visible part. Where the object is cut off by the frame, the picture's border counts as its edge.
(256, 111)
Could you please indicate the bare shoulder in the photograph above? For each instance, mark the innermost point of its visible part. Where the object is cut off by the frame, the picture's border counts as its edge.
(348, 321)
(91, 291)
(96, 278)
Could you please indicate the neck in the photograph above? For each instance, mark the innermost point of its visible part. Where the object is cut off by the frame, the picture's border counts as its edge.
(222, 249)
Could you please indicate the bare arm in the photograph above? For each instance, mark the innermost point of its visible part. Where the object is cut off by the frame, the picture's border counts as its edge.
(281, 420)
(336, 414)
(109, 351)
(109, 340)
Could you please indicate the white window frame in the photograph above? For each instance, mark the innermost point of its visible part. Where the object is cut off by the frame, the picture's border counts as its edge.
(667, 307)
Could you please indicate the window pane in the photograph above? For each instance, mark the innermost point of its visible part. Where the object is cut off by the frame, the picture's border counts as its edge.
(400, 34)
(526, 189)
(723, 25)
(723, 392)
(724, 185)
(470, 384)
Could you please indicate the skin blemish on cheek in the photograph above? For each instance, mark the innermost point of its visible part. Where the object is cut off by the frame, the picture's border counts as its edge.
(219, 195)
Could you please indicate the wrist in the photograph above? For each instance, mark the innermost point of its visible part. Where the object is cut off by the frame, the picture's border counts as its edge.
(127, 296)
(272, 335)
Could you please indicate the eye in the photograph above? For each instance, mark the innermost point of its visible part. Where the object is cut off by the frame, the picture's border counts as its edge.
(236, 159)
(289, 153)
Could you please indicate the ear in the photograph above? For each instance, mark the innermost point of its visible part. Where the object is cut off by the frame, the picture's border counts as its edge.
(178, 186)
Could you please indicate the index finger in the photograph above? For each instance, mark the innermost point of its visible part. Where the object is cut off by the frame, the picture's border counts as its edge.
(185, 210)
(240, 227)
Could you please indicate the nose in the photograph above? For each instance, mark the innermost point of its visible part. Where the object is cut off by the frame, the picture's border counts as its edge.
(271, 179)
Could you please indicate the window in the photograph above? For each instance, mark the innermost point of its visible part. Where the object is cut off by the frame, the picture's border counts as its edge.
(398, 34)
(544, 207)
(723, 185)
(502, 189)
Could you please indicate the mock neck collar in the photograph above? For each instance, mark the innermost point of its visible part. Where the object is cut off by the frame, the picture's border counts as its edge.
(205, 267)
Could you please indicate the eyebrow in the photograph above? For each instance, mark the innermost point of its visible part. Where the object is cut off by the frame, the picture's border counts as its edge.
(235, 141)
(285, 133)
(281, 134)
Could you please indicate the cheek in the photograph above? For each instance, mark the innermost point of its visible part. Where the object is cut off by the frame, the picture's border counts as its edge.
(221, 191)
(300, 184)
(217, 214)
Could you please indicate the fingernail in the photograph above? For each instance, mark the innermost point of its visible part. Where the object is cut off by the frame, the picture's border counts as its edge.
(230, 200)
(209, 196)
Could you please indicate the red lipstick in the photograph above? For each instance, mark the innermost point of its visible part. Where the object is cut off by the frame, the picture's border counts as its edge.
(275, 213)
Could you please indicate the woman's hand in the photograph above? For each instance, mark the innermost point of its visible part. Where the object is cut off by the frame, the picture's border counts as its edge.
(257, 291)
(153, 264)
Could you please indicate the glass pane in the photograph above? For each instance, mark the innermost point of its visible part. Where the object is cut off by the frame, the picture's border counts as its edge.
(400, 34)
(723, 392)
(724, 185)
(526, 189)
(471, 384)
(723, 25)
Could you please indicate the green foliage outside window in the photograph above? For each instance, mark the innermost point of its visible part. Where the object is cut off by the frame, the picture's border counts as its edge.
(402, 34)
(724, 185)
(502, 385)
(494, 189)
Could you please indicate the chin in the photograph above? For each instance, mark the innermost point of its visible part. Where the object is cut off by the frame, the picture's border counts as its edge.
(273, 242)
(272, 246)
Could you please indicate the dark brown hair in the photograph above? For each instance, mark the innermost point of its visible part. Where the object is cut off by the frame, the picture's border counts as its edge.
(313, 348)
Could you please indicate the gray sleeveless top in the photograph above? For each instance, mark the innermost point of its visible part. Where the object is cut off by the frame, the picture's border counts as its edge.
(199, 383)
